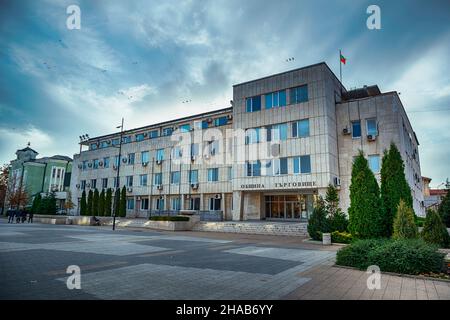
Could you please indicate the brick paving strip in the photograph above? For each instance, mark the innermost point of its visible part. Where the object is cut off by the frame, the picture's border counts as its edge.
(329, 281)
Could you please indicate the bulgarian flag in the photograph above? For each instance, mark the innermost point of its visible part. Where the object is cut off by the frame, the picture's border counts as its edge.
(343, 59)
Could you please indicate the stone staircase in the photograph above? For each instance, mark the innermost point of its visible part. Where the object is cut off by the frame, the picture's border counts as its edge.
(255, 227)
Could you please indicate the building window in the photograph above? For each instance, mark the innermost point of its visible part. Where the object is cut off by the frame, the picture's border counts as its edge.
(276, 167)
(372, 127)
(276, 99)
(94, 146)
(253, 169)
(157, 178)
(126, 139)
(175, 203)
(104, 183)
(253, 104)
(175, 177)
(144, 204)
(116, 182)
(356, 129)
(93, 183)
(160, 204)
(300, 129)
(214, 204)
(83, 184)
(160, 154)
(302, 164)
(252, 135)
(194, 149)
(220, 121)
(167, 131)
(116, 161)
(140, 137)
(104, 144)
(144, 157)
(298, 94)
(129, 181)
(115, 142)
(213, 174)
(130, 158)
(85, 165)
(205, 124)
(106, 162)
(230, 173)
(95, 165)
(185, 127)
(213, 147)
(277, 132)
(374, 163)
(153, 134)
(194, 204)
(177, 152)
(143, 180)
(193, 176)
(130, 204)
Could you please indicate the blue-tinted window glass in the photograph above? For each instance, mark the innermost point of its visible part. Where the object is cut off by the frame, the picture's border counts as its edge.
(153, 134)
(115, 142)
(299, 94)
(356, 129)
(305, 164)
(139, 137)
(175, 177)
(269, 101)
(372, 127)
(158, 178)
(167, 131)
(193, 176)
(221, 121)
(300, 129)
(185, 127)
(374, 163)
(144, 156)
(204, 124)
(160, 154)
(126, 139)
(282, 98)
(296, 165)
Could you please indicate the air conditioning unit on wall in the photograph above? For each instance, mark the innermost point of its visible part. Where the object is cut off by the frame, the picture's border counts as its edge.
(194, 186)
(346, 131)
(218, 196)
(336, 182)
(371, 137)
(159, 186)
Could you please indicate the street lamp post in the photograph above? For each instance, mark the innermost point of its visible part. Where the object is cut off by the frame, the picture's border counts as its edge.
(117, 198)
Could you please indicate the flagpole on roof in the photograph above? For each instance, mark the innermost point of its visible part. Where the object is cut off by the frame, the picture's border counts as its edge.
(340, 66)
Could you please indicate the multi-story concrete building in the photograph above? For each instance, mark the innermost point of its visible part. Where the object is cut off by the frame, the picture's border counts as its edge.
(285, 138)
(40, 175)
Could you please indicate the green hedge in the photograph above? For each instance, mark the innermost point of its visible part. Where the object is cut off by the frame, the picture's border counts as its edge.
(341, 237)
(409, 256)
(169, 218)
(419, 221)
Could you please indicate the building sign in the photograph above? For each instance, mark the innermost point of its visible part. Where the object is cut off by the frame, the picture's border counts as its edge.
(280, 185)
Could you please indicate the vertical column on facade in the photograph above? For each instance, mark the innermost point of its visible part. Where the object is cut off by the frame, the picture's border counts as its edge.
(181, 201)
(202, 207)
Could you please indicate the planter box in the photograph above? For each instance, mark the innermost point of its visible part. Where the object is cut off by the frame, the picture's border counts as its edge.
(49, 219)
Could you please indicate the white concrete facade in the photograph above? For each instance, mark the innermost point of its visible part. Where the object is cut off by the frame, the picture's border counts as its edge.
(295, 166)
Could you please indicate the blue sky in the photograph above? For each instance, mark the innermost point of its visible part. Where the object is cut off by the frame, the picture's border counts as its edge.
(141, 59)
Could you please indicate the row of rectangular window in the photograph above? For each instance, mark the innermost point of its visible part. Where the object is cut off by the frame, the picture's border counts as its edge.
(277, 99)
(276, 167)
(204, 124)
(278, 132)
(175, 178)
(175, 204)
(371, 126)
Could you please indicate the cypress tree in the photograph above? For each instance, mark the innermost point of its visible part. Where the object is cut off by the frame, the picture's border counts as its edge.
(117, 202)
(95, 199)
(108, 202)
(404, 225)
(36, 202)
(90, 206)
(318, 223)
(101, 203)
(444, 209)
(123, 203)
(365, 220)
(83, 204)
(434, 230)
(393, 187)
(337, 219)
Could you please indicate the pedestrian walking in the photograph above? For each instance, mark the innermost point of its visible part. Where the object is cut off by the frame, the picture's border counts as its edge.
(10, 216)
(23, 216)
(17, 214)
(30, 217)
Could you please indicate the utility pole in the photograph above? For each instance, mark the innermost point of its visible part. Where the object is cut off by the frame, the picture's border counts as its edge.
(117, 198)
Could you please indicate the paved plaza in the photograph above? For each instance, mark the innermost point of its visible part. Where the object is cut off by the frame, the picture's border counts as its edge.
(132, 264)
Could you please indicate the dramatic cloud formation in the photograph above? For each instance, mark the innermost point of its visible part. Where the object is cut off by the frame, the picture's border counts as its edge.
(141, 59)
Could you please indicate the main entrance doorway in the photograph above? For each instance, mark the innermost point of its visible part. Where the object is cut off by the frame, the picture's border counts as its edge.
(289, 207)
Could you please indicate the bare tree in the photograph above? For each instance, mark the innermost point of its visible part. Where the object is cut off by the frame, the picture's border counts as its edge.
(16, 193)
(4, 171)
(68, 204)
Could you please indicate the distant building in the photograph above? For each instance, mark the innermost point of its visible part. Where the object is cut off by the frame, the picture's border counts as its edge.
(292, 134)
(432, 197)
(41, 175)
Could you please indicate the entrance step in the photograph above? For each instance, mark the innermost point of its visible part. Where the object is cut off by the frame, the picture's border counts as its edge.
(298, 229)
